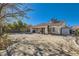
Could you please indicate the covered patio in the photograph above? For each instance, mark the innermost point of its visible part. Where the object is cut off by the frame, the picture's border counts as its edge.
(39, 29)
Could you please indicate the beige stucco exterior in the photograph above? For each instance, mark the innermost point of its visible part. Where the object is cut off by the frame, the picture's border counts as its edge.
(39, 29)
(57, 28)
(65, 31)
(52, 28)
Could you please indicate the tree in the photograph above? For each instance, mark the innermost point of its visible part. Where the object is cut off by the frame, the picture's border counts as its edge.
(8, 13)
(55, 20)
(21, 26)
(18, 26)
(11, 11)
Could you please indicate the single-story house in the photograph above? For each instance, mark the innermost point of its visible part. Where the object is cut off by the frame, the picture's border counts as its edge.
(52, 27)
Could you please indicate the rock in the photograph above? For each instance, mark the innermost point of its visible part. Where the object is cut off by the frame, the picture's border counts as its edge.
(44, 53)
(21, 49)
(40, 47)
(3, 53)
(38, 53)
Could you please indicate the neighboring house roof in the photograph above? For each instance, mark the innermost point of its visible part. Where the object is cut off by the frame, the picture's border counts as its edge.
(75, 27)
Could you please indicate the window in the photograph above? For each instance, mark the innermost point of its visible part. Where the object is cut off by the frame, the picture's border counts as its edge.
(53, 29)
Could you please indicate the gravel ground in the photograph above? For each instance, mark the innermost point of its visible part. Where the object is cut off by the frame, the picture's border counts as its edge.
(41, 45)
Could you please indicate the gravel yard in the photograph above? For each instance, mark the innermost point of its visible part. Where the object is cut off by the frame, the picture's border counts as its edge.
(41, 45)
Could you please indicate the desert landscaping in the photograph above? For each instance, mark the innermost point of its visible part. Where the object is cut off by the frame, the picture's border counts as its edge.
(41, 45)
(26, 30)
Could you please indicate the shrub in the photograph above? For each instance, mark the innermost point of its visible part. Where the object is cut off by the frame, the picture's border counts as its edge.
(4, 42)
(77, 32)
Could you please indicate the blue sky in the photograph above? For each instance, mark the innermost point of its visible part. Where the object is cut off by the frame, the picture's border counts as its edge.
(43, 12)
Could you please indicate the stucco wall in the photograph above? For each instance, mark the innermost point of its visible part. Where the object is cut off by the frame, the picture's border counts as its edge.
(66, 31)
(46, 30)
(39, 30)
(57, 29)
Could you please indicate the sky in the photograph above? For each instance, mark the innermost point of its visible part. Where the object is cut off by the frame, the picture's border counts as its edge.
(43, 12)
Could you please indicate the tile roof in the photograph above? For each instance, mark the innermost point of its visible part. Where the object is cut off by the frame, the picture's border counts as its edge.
(40, 25)
(49, 23)
(56, 23)
(75, 27)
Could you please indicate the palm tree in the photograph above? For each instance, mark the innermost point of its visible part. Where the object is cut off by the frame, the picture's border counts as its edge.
(11, 11)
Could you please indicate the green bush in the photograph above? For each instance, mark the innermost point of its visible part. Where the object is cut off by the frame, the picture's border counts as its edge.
(77, 32)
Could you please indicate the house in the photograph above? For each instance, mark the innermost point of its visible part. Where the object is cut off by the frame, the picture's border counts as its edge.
(56, 26)
(74, 28)
(41, 28)
(52, 27)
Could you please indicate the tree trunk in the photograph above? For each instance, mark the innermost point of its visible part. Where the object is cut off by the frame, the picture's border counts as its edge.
(1, 28)
(1, 31)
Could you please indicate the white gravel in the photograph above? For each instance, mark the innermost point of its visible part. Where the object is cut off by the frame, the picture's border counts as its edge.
(42, 45)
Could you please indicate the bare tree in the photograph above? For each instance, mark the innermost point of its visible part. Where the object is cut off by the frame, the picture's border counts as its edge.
(11, 11)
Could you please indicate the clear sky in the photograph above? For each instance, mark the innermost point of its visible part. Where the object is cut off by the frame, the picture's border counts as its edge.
(43, 12)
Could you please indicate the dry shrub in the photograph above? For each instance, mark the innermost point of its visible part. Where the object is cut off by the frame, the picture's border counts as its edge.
(69, 47)
(4, 42)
